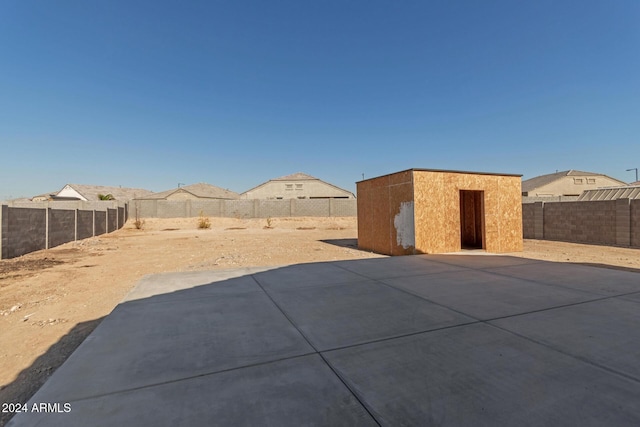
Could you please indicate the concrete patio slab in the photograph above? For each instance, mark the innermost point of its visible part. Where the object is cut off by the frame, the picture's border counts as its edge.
(399, 266)
(300, 391)
(335, 316)
(484, 295)
(165, 283)
(476, 375)
(604, 281)
(605, 332)
(303, 275)
(332, 344)
(147, 342)
(481, 260)
(632, 297)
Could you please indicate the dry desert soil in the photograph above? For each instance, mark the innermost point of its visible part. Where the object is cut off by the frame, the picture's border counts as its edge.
(51, 300)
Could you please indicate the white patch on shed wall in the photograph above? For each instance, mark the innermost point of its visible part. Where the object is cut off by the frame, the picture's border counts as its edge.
(404, 224)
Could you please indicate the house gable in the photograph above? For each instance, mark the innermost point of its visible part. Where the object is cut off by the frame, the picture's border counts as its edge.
(297, 186)
(566, 183)
(69, 192)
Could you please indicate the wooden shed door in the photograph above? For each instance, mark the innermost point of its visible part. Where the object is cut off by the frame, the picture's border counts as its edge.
(471, 219)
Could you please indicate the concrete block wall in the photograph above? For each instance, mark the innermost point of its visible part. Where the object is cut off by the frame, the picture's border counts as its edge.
(558, 221)
(610, 222)
(581, 222)
(62, 227)
(121, 217)
(341, 207)
(596, 222)
(100, 224)
(29, 229)
(144, 209)
(112, 220)
(548, 199)
(533, 220)
(634, 208)
(207, 207)
(528, 221)
(244, 208)
(310, 207)
(84, 225)
(623, 222)
(274, 208)
(238, 209)
(98, 205)
(23, 230)
(171, 209)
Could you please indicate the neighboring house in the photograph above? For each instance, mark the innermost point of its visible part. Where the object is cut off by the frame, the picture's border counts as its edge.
(297, 186)
(43, 197)
(18, 200)
(566, 183)
(92, 192)
(194, 191)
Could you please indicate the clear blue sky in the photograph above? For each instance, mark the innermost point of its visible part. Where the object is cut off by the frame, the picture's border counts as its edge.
(154, 93)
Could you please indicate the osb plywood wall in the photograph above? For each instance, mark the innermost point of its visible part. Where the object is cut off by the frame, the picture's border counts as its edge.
(385, 214)
(437, 210)
(418, 211)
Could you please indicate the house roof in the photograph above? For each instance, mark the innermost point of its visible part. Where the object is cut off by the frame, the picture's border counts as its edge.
(539, 181)
(91, 192)
(201, 190)
(630, 191)
(44, 195)
(299, 176)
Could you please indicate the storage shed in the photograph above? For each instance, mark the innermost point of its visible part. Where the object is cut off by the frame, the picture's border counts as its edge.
(437, 211)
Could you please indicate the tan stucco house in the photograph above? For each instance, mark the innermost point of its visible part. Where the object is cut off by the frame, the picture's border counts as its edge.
(194, 191)
(566, 183)
(297, 186)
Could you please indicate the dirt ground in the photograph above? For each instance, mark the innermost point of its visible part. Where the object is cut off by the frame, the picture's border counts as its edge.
(51, 300)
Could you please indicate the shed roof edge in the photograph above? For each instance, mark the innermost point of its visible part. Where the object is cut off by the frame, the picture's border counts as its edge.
(443, 171)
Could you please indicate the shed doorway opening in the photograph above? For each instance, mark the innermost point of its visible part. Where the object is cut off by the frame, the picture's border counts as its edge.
(472, 219)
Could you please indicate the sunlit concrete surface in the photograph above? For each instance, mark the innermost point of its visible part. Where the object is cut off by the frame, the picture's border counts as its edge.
(452, 340)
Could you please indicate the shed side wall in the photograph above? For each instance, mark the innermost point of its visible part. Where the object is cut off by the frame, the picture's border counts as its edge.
(385, 214)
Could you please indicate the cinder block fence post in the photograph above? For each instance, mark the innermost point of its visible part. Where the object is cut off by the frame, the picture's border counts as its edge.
(47, 213)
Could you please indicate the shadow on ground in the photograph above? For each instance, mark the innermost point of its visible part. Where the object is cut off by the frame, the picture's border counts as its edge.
(612, 267)
(344, 243)
(32, 378)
